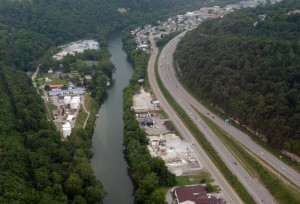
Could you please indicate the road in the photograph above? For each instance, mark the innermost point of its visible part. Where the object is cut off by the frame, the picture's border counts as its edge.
(167, 73)
(178, 92)
(228, 193)
(34, 76)
(45, 92)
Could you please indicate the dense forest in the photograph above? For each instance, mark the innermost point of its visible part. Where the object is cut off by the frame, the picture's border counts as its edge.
(248, 65)
(36, 167)
(29, 27)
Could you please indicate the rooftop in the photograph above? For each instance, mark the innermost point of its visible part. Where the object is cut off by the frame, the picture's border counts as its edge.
(196, 195)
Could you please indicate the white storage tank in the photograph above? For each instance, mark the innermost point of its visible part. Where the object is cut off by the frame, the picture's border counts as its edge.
(66, 132)
(74, 103)
(67, 100)
(66, 125)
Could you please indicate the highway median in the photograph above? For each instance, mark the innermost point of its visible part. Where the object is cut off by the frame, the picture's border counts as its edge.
(281, 192)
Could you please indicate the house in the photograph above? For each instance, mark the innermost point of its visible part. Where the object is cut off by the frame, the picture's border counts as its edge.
(195, 195)
(47, 79)
(56, 86)
(294, 12)
(50, 71)
(88, 77)
(58, 73)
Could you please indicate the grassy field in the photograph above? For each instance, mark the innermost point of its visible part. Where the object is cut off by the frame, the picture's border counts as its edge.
(55, 79)
(194, 179)
(91, 106)
(81, 117)
(52, 107)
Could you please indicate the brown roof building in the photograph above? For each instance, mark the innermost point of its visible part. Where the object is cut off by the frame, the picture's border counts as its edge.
(56, 86)
(195, 195)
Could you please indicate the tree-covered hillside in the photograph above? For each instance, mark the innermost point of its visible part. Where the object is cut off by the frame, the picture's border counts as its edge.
(35, 165)
(32, 26)
(248, 64)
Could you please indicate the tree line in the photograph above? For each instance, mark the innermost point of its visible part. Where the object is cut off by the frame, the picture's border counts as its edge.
(247, 64)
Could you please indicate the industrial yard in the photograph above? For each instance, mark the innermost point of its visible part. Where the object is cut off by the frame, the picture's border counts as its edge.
(178, 155)
(66, 112)
(76, 47)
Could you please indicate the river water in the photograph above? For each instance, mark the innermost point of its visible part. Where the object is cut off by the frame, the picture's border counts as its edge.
(108, 161)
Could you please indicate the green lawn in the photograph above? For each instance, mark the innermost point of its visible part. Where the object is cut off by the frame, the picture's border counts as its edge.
(194, 179)
(57, 81)
(81, 117)
(52, 107)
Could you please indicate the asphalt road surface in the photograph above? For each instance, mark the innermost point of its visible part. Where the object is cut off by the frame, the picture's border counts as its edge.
(167, 74)
(227, 192)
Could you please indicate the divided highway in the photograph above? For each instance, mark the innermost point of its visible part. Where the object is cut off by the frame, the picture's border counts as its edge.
(167, 74)
(228, 193)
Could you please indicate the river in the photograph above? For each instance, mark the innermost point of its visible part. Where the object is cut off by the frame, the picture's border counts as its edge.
(108, 161)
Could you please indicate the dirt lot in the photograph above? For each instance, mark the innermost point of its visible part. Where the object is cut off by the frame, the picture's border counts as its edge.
(158, 126)
(142, 102)
(178, 154)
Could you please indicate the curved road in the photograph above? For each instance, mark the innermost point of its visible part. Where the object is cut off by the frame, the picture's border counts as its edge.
(228, 193)
(177, 91)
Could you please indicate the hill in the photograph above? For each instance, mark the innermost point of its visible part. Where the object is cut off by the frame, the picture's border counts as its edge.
(247, 64)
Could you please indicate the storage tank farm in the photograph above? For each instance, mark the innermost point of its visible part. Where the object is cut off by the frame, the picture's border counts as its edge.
(67, 100)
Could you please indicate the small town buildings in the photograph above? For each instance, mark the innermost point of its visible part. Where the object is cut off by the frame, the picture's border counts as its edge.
(88, 77)
(50, 71)
(47, 79)
(56, 86)
(195, 195)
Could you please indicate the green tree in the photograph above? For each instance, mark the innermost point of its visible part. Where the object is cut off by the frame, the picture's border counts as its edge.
(73, 185)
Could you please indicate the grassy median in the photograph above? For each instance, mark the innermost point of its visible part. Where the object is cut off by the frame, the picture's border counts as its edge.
(281, 192)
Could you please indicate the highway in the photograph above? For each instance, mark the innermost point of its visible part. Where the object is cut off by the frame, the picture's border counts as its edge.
(167, 74)
(228, 193)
